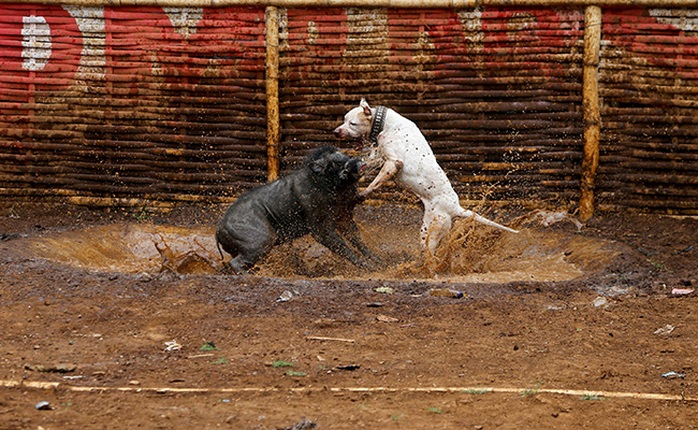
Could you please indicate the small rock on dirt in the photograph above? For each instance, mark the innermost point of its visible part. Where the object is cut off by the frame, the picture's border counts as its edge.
(53, 368)
(681, 291)
(43, 406)
(664, 331)
(349, 367)
(445, 292)
(673, 375)
(385, 318)
(303, 424)
(285, 296)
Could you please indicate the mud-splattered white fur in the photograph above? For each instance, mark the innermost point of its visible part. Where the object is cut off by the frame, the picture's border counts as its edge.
(408, 158)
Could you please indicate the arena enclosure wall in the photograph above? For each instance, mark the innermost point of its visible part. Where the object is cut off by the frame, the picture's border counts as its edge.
(574, 104)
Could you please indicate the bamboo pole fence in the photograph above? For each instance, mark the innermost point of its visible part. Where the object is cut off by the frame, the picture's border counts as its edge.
(529, 117)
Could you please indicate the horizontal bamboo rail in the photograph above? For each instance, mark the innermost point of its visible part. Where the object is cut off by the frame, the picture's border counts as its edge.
(415, 4)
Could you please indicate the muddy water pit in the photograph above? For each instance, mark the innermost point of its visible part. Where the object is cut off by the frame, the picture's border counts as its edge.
(471, 254)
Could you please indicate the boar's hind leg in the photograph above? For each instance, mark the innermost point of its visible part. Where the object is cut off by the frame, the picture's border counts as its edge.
(239, 266)
(251, 246)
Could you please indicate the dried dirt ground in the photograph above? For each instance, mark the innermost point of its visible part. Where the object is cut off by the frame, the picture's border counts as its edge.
(560, 328)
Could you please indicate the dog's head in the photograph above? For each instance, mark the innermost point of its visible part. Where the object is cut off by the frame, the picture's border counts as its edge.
(334, 168)
(357, 124)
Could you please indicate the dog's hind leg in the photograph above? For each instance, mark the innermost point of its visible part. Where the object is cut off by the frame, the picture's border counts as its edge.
(435, 226)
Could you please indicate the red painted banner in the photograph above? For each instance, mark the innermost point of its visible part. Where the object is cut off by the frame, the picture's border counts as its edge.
(40, 49)
(44, 47)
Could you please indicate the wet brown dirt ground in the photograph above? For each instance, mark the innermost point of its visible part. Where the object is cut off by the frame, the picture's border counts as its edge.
(342, 352)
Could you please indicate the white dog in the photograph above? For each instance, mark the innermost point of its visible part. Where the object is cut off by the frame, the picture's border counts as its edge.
(407, 157)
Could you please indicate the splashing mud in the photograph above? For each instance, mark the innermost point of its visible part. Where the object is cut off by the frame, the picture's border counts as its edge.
(470, 253)
(133, 248)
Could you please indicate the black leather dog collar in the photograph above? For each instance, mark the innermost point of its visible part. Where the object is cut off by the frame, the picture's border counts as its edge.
(378, 123)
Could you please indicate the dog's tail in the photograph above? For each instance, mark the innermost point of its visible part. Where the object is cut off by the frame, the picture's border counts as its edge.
(465, 213)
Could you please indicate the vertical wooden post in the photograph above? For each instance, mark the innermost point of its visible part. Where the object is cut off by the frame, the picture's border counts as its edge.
(592, 115)
(272, 85)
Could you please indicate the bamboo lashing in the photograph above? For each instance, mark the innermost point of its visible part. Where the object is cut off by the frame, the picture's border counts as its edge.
(272, 70)
(592, 116)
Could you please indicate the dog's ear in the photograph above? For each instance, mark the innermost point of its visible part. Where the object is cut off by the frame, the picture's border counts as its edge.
(367, 109)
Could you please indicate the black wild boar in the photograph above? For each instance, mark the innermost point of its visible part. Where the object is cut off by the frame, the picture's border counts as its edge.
(317, 199)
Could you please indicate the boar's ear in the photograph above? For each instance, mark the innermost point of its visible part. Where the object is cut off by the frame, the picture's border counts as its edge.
(364, 105)
(344, 173)
(318, 166)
